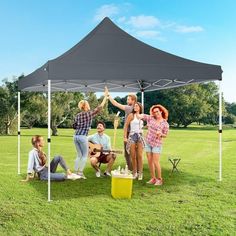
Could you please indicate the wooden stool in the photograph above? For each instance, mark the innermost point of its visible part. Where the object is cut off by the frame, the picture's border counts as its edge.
(174, 161)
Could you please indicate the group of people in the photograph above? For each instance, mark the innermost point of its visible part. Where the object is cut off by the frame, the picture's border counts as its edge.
(134, 142)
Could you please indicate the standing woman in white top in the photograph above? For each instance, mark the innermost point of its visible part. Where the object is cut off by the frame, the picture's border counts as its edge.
(134, 141)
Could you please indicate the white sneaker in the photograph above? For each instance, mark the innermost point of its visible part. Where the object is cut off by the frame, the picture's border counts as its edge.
(73, 176)
(98, 174)
(81, 174)
(140, 176)
(135, 176)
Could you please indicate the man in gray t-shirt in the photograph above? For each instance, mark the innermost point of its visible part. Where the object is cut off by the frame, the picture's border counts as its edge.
(131, 99)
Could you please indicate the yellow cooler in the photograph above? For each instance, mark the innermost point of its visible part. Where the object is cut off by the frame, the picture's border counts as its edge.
(121, 186)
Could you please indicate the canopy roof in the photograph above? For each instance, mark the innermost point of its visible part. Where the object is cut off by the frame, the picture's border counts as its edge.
(110, 56)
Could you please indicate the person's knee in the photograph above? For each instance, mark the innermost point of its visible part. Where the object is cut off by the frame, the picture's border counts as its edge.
(58, 158)
(111, 157)
(93, 161)
(110, 160)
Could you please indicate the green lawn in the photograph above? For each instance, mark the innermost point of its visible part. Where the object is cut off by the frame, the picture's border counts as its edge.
(191, 202)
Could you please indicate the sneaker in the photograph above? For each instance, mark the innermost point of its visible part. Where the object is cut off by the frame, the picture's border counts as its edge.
(106, 173)
(81, 174)
(98, 174)
(140, 176)
(73, 176)
(135, 175)
(158, 182)
(152, 181)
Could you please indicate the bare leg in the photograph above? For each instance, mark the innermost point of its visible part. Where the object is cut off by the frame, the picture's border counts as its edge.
(151, 164)
(94, 162)
(133, 157)
(156, 160)
(127, 157)
(111, 159)
(139, 154)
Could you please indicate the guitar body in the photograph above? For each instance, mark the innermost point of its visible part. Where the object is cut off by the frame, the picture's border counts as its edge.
(95, 150)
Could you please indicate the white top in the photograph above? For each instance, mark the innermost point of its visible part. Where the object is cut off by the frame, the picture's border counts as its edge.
(34, 162)
(136, 125)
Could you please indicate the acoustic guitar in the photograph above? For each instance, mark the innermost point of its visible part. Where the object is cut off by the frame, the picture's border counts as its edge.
(95, 150)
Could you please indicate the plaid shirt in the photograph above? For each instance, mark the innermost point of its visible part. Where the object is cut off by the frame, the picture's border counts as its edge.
(83, 121)
(152, 139)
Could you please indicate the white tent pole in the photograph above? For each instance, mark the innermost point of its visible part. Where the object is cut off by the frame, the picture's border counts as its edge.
(49, 139)
(18, 146)
(142, 95)
(220, 132)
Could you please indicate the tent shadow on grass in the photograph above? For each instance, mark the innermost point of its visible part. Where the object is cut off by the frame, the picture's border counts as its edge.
(102, 186)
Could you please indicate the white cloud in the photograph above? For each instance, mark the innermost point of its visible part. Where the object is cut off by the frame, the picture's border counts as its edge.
(148, 33)
(108, 10)
(121, 19)
(144, 22)
(188, 29)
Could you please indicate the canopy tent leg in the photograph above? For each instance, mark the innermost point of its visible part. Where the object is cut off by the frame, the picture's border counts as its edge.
(18, 129)
(220, 132)
(49, 139)
(142, 99)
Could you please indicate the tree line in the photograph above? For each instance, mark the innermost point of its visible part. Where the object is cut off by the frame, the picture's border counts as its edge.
(188, 104)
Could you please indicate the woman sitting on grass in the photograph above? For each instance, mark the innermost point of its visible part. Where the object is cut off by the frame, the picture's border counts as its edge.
(37, 163)
(158, 128)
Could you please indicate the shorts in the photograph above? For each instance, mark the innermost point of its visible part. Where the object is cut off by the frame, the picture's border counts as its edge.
(156, 149)
(135, 138)
(104, 158)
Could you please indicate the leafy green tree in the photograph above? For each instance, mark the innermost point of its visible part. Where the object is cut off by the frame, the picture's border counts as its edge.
(231, 108)
(104, 114)
(8, 111)
(33, 108)
(229, 119)
(60, 109)
(187, 104)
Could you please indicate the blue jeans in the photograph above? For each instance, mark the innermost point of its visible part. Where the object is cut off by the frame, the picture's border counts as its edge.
(43, 174)
(81, 144)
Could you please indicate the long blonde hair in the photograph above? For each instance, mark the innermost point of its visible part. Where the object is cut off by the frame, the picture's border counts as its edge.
(83, 104)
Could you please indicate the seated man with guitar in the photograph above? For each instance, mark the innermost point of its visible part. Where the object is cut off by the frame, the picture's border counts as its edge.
(100, 150)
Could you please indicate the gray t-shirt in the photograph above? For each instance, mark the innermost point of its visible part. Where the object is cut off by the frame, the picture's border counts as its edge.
(128, 110)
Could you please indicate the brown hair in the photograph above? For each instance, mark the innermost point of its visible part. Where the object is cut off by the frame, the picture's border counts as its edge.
(164, 111)
(101, 122)
(133, 96)
(140, 107)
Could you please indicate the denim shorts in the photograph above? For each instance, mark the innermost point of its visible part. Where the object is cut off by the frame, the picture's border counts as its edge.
(135, 138)
(156, 149)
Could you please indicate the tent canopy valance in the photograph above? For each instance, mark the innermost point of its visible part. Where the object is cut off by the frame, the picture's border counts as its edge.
(110, 56)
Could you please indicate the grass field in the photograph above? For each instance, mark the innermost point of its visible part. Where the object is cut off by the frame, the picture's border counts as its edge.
(191, 202)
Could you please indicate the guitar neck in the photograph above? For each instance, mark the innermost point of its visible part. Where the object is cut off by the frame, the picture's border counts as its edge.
(104, 150)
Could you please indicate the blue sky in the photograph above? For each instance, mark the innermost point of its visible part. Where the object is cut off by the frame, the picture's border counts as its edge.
(34, 31)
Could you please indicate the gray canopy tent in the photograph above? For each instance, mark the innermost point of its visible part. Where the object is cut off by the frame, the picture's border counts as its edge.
(108, 56)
